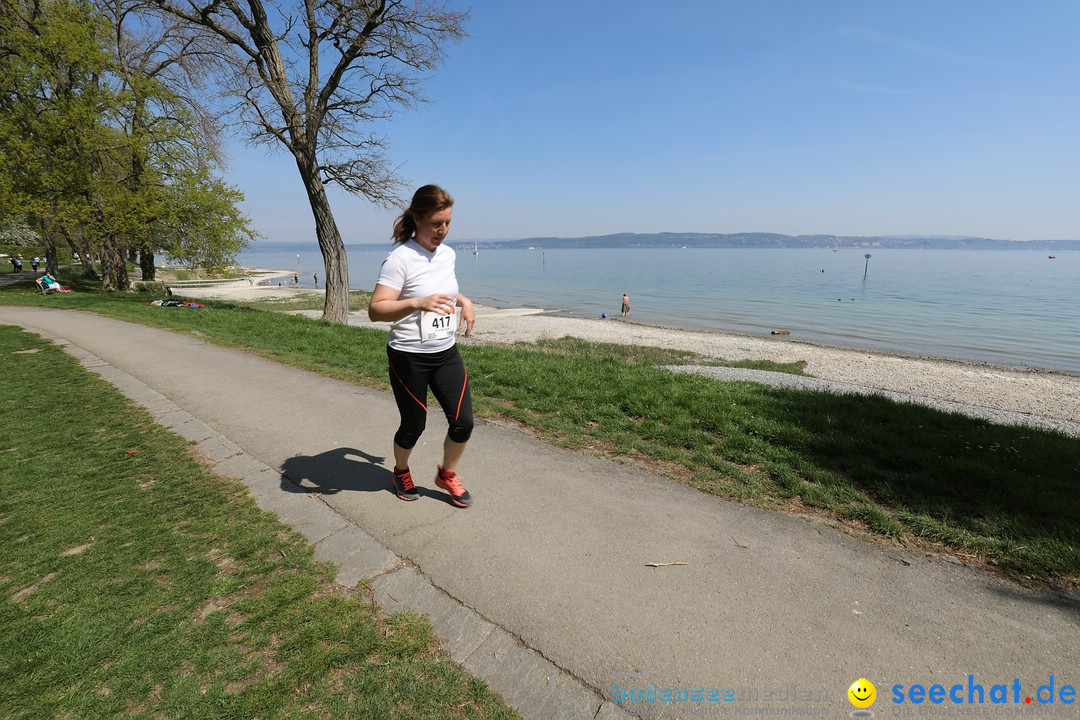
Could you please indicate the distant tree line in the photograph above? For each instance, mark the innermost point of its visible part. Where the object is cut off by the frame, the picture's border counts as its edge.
(105, 147)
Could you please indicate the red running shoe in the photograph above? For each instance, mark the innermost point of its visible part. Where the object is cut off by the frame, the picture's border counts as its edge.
(403, 485)
(451, 483)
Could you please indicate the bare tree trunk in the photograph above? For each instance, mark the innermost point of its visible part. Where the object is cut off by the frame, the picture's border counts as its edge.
(113, 266)
(52, 264)
(87, 263)
(146, 263)
(335, 261)
(82, 249)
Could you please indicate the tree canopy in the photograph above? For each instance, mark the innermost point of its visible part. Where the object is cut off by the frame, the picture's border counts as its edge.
(100, 149)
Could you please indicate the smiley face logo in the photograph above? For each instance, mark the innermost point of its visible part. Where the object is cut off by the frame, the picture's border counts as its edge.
(862, 693)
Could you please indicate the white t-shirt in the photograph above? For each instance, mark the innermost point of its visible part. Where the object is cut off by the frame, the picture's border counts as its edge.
(417, 273)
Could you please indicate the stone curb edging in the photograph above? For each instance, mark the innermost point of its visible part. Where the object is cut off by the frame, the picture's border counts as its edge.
(529, 682)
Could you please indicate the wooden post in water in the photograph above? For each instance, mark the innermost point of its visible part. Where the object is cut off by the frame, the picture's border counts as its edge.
(867, 266)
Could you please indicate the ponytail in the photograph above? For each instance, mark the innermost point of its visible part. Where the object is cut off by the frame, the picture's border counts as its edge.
(404, 227)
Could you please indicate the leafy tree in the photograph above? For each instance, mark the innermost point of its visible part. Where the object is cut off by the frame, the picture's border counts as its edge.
(51, 59)
(96, 149)
(203, 226)
(160, 68)
(312, 78)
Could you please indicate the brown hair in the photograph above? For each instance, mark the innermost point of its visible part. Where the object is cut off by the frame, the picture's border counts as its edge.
(426, 201)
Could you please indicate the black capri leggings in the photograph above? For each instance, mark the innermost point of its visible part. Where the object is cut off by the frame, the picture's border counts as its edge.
(411, 374)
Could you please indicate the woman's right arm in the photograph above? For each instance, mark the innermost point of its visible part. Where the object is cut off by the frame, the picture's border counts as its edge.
(385, 305)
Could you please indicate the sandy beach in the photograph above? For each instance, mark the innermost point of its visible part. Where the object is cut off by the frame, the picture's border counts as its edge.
(1024, 397)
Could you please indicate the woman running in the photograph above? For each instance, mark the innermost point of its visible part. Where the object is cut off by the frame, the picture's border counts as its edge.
(417, 291)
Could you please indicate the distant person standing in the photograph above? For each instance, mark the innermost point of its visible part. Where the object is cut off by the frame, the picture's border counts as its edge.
(316, 277)
(625, 306)
(35, 262)
(417, 291)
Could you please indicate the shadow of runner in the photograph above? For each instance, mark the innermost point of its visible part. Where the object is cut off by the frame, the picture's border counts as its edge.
(346, 469)
(334, 471)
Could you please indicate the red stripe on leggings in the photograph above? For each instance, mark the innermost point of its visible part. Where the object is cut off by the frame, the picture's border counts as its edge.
(406, 387)
(462, 396)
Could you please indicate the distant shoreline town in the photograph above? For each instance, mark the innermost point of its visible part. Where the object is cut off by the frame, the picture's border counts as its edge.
(757, 240)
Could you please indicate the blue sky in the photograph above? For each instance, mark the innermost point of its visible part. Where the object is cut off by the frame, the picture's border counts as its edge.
(794, 116)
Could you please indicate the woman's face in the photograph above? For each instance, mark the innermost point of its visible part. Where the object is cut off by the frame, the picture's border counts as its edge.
(432, 230)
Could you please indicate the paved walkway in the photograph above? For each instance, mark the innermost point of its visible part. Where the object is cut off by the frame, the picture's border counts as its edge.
(10, 278)
(542, 588)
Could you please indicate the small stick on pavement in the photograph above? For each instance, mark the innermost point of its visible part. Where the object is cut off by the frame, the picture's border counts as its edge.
(738, 544)
(664, 564)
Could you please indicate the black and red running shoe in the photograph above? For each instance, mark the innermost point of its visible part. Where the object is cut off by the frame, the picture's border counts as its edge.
(451, 483)
(403, 485)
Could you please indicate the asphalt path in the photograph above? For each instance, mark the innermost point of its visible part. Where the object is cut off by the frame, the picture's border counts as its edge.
(544, 587)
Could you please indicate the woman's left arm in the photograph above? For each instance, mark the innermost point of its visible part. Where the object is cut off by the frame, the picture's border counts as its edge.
(468, 313)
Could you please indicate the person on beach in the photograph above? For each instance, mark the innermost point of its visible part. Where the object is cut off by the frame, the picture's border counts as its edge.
(625, 306)
(316, 277)
(417, 291)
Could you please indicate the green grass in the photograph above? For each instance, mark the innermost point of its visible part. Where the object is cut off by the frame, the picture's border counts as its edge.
(358, 300)
(134, 583)
(998, 495)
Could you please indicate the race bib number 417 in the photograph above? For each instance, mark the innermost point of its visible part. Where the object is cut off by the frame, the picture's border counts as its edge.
(434, 326)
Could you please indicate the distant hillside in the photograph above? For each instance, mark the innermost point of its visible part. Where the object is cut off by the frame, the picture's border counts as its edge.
(721, 240)
(776, 240)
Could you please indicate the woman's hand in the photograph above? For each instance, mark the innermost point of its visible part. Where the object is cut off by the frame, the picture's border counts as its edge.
(386, 306)
(468, 314)
(437, 303)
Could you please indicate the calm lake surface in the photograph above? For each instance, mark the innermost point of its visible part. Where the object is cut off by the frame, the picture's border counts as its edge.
(1018, 308)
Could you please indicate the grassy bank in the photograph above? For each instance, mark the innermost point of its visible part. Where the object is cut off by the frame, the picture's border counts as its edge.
(358, 300)
(134, 583)
(996, 495)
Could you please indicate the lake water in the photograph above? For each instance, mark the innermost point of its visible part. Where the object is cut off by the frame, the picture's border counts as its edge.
(1017, 308)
